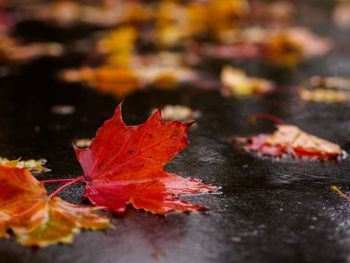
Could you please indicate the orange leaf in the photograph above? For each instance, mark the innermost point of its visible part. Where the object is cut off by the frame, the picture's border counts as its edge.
(36, 219)
(119, 82)
(289, 139)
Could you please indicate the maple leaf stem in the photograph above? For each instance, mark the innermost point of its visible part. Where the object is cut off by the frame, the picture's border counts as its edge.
(340, 193)
(57, 181)
(61, 188)
(266, 116)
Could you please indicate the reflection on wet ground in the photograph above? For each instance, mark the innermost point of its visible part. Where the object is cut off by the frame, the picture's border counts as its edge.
(269, 211)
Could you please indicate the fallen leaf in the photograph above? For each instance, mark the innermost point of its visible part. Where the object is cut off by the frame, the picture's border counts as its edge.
(178, 112)
(118, 46)
(290, 140)
(283, 50)
(36, 166)
(116, 81)
(341, 15)
(124, 165)
(12, 50)
(34, 217)
(313, 45)
(163, 76)
(236, 82)
(290, 47)
(325, 89)
(119, 82)
(237, 51)
(279, 13)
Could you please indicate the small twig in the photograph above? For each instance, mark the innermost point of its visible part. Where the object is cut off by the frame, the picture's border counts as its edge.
(61, 188)
(266, 116)
(57, 181)
(340, 193)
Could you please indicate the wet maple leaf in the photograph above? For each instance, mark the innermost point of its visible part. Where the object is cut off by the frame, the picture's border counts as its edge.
(124, 165)
(289, 139)
(34, 217)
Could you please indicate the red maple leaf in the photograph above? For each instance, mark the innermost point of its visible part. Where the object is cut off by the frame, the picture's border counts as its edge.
(124, 165)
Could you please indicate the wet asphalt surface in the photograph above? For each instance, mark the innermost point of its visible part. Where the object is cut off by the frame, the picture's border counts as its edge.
(268, 210)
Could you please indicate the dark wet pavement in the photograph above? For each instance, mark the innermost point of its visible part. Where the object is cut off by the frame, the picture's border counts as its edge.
(269, 211)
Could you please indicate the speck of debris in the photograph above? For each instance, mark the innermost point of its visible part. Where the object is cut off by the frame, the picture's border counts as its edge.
(63, 109)
(236, 239)
(82, 143)
(158, 254)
